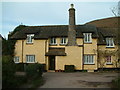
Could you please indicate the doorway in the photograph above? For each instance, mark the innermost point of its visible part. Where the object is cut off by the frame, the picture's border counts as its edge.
(51, 62)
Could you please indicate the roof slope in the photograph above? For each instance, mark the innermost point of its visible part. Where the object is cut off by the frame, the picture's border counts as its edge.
(44, 32)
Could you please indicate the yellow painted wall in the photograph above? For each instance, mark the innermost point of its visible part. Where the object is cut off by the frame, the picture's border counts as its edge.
(91, 48)
(74, 57)
(37, 48)
(18, 50)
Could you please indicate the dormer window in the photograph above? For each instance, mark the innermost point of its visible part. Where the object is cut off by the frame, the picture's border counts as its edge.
(53, 41)
(87, 37)
(109, 42)
(63, 41)
(30, 38)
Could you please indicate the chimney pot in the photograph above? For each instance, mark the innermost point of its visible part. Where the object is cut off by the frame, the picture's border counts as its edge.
(72, 5)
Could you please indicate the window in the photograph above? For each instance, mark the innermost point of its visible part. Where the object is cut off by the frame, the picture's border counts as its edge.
(108, 60)
(109, 42)
(87, 37)
(53, 41)
(88, 59)
(29, 38)
(63, 40)
(30, 58)
(16, 59)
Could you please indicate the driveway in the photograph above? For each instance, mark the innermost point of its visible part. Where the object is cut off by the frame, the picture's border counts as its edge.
(78, 80)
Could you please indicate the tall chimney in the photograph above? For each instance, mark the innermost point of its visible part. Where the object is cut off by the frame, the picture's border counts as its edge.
(71, 27)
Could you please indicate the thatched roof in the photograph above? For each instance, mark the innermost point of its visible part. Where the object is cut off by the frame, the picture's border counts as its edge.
(44, 32)
(98, 30)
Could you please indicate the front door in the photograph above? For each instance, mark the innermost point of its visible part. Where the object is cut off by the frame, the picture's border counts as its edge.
(51, 62)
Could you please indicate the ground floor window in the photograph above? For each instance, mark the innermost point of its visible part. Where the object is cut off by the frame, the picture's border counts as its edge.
(30, 58)
(108, 60)
(16, 59)
(88, 59)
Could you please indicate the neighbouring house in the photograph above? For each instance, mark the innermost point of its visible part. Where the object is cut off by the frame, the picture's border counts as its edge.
(88, 47)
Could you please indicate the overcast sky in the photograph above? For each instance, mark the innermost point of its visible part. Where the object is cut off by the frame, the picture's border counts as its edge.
(50, 13)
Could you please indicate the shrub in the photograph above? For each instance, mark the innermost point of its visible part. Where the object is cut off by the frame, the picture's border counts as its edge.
(19, 67)
(116, 83)
(34, 70)
(8, 71)
(69, 68)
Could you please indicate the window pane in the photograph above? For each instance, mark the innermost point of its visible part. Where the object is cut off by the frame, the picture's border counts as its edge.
(30, 58)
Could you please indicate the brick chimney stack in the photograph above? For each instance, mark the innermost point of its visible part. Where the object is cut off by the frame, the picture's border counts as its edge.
(71, 27)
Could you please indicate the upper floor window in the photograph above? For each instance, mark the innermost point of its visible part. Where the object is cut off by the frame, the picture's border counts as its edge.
(30, 38)
(109, 42)
(87, 37)
(53, 41)
(108, 60)
(30, 58)
(63, 40)
(88, 59)
(16, 59)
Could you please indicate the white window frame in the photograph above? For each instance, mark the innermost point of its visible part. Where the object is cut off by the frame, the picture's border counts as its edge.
(109, 42)
(16, 59)
(87, 37)
(53, 41)
(108, 57)
(30, 38)
(88, 59)
(63, 41)
(29, 58)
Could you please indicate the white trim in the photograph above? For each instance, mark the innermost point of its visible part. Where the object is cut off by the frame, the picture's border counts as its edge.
(29, 59)
(29, 39)
(88, 58)
(63, 41)
(87, 37)
(53, 41)
(109, 42)
(16, 61)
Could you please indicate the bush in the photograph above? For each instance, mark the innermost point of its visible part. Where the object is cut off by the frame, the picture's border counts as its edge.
(34, 70)
(116, 83)
(8, 71)
(20, 67)
(69, 68)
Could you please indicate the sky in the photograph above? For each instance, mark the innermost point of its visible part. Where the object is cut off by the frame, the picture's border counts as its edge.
(50, 13)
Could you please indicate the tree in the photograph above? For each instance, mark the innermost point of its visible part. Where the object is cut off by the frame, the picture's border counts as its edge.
(116, 10)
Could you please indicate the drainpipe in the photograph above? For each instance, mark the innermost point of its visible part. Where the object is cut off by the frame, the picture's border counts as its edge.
(83, 56)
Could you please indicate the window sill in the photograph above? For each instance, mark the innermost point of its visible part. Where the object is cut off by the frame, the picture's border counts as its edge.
(53, 44)
(110, 47)
(62, 44)
(30, 62)
(109, 64)
(29, 43)
(17, 62)
(87, 42)
(89, 64)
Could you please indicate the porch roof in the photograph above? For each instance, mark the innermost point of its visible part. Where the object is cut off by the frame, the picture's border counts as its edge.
(55, 53)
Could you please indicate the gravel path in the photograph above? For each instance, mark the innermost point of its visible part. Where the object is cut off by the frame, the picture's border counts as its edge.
(78, 80)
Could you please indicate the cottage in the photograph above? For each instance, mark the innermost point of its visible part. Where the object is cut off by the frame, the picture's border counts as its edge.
(87, 47)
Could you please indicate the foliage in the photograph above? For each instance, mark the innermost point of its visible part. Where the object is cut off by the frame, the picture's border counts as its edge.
(34, 70)
(8, 71)
(69, 68)
(19, 67)
(8, 47)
